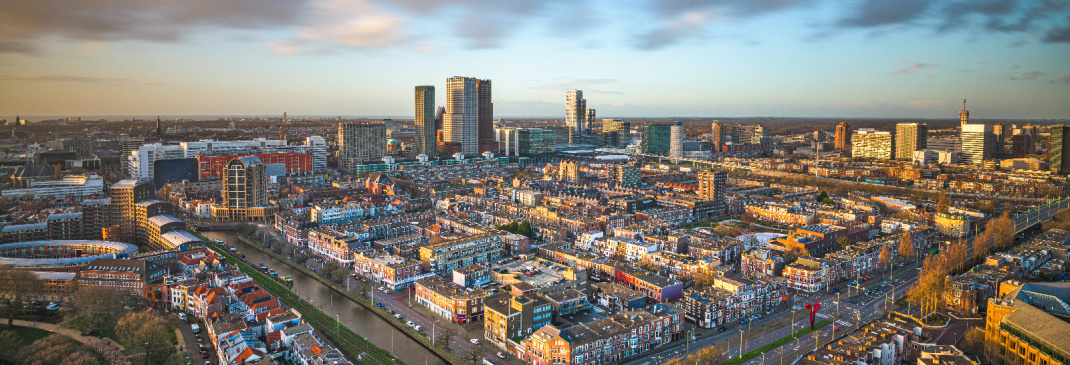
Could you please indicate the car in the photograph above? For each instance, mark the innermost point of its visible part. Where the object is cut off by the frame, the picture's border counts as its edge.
(769, 311)
(409, 323)
(835, 290)
(391, 311)
(204, 355)
(416, 327)
(379, 304)
(199, 340)
(501, 355)
(398, 315)
(722, 329)
(743, 321)
(52, 307)
(474, 341)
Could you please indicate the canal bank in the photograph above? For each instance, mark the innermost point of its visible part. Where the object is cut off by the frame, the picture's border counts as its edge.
(352, 311)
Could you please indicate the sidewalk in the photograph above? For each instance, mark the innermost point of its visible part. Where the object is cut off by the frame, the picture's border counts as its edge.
(72, 333)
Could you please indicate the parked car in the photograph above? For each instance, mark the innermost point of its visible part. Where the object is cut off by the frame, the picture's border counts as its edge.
(474, 341)
(743, 321)
(501, 355)
(379, 304)
(398, 315)
(416, 327)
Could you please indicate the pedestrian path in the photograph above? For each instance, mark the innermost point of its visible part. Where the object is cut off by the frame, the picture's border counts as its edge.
(72, 333)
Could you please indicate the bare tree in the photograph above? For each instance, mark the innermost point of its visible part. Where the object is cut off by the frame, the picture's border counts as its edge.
(473, 355)
(445, 337)
(906, 246)
(19, 286)
(709, 355)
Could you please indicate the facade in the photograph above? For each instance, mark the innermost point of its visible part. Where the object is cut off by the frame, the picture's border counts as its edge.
(455, 303)
(1058, 151)
(174, 170)
(843, 136)
(460, 123)
(1026, 325)
(627, 175)
(444, 257)
(77, 186)
(910, 137)
(360, 142)
(868, 143)
(134, 276)
(748, 134)
(510, 316)
(297, 162)
(712, 186)
(424, 141)
(575, 114)
(676, 140)
(525, 141)
(717, 136)
(318, 146)
(244, 192)
(605, 341)
(978, 143)
(125, 195)
(485, 120)
(655, 139)
(392, 271)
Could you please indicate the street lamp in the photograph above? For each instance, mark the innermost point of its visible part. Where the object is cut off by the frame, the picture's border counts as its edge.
(741, 344)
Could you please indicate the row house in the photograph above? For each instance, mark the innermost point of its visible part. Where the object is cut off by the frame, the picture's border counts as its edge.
(760, 261)
(459, 253)
(782, 214)
(732, 299)
(388, 270)
(333, 245)
(675, 242)
(807, 274)
(451, 301)
(970, 291)
(617, 297)
(678, 266)
(704, 245)
(606, 341)
(671, 215)
(655, 287)
(509, 316)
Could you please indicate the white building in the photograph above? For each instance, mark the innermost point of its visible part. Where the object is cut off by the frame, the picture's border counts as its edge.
(141, 160)
(676, 140)
(978, 143)
(460, 122)
(319, 153)
(192, 148)
(73, 185)
(869, 143)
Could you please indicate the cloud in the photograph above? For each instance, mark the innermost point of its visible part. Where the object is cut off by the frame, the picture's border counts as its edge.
(927, 103)
(76, 78)
(1063, 80)
(347, 23)
(1032, 75)
(874, 13)
(1031, 18)
(24, 23)
(488, 23)
(1058, 35)
(94, 46)
(562, 85)
(681, 19)
(913, 68)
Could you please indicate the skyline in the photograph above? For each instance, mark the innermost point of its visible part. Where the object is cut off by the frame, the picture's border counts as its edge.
(641, 59)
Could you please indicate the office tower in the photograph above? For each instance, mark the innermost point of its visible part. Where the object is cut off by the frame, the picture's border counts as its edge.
(748, 133)
(460, 123)
(655, 139)
(82, 147)
(944, 144)
(589, 126)
(615, 125)
(717, 136)
(1000, 131)
(676, 140)
(360, 142)
(964, 115)
(159, 127)
(128, 144)
(244, 191)
(1021, 145)
(439, 113)
(843, 136)
(910, 137)
(424, 140)
(318, 145)
(525, 141)
(978, 143)
(712, 186)
(575, 113)
(869, 143)
(486, 118)
(125, 195)
(1058, 153)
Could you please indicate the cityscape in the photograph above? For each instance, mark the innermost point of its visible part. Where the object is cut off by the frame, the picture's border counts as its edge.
(598, 215)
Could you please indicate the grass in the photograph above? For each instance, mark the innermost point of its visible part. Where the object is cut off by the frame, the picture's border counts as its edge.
(349, 342)
(780, 342)
(27, 335)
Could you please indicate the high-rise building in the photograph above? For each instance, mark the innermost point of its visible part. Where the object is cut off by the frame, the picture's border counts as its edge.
(575, 113)
(244, 192)
(1058, 152)
(424, 140)
(712, 186)
(748, 133)
(128, 144)
(655, 139)
(944, 144)
(676, 140)
(525, 141)
(589, 127)
(869, 143)
(485, 120)
(125, 195)
(910, 137)
(460, 123)
(1001, 132)
(617, 125)
(978, 143)
(627, 175)
(964, 115)
(1021, 145)
(318, 145)
(843, 136)
(717, 136)
(360, 142)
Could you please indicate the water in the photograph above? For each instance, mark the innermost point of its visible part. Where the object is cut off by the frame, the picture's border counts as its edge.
(350, 314)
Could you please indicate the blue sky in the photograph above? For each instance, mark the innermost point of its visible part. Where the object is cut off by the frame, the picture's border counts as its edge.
(700, 58)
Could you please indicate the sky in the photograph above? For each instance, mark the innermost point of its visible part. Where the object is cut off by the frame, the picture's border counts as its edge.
(632, 58)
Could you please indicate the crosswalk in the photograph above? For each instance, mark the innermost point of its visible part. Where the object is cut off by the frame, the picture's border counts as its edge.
(843, 323)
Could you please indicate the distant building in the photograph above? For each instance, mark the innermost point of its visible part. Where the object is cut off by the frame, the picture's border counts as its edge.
(843, 136)
(575, 114)
(748, 133)
(424, 141)
(869, 143)
(978, 143)
(676, 140)
(525, 141)
(244, 192)
(910, 137)
(718, 132)
(1059, 151)
(712, 186)
(360, 142)
(460, 123)
(174, 170)
(655, 139)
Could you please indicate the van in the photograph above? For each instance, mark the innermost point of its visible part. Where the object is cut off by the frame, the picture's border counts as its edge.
(195, 328)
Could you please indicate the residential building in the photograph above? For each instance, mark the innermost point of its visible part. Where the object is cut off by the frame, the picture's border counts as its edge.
(388, 270)
(360, 142)
(446, 256)
(910, 137)
(676, 140)
(485, 118)
(843, 136)
(718, 132)
(575, 114)
(244, 192)
(1059, 150)
(510, 316)
(869, 143)
(453, 302)
(609, 340)
(712, 186)
(125, 195)
(955, 225)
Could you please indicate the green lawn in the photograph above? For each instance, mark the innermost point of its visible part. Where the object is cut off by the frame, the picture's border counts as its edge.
(26, 335)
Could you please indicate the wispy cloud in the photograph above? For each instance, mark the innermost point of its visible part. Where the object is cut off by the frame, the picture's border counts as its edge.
(914, 68)
(76, 78)
(1032, 75)
(1062, 80)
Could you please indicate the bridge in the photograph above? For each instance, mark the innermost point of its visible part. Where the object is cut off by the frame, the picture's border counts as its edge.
(1039, 214)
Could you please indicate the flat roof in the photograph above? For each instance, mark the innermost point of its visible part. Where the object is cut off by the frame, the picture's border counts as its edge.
(116, 248)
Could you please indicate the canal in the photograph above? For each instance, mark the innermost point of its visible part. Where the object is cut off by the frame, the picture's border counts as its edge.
(350, 314)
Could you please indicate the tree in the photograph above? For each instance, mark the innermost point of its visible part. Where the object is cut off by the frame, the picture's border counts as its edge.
(885, 256)
(973, 341)
(709, 355)
(445, 337)
(18, 286)
(474, 355)
(99, 308)
(512, 227)
(111, 354)
(793, 249)
(941, 202)
(58, 171)
(822, 196)
(524, 229)
(148, 331)
(842, 243)
(906, 246)
(57, 349)
(982, 243)
(1001, 230)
